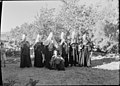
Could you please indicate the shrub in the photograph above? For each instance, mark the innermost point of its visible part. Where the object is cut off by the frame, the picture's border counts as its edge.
(11, 52)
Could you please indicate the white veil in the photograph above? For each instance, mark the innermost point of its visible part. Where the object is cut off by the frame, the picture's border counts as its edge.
(49, 39)
(73, 37)
(62, 38)
(38, 38)
(23, 37)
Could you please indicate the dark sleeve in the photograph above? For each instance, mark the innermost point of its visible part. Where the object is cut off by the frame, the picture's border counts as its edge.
(45, 48)
(35, 47)
(21, 46)
(28, 47)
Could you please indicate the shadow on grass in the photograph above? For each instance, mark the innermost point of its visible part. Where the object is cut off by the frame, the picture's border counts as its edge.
(102, 61)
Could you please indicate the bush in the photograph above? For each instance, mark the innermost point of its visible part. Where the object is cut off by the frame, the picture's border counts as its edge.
(114, 49)
(11, 52)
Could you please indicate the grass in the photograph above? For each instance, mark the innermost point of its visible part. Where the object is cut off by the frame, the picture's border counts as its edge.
(71, 76)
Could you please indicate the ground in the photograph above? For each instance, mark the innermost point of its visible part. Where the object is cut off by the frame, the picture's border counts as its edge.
(104, 71)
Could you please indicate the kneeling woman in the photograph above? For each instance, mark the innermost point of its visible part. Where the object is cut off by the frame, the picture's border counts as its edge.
(57, 62)
(38, 48)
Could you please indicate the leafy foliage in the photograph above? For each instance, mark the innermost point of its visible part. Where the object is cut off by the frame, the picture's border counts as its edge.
(99, 20)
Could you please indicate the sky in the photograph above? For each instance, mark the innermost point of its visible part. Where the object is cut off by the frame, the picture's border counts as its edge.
(16, 13)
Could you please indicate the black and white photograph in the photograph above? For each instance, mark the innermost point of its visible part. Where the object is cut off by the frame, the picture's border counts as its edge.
(59, 42)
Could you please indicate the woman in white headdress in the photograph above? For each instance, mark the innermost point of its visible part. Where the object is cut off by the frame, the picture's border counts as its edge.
(49, 46)
(49, 39)
(25, 53)
(73, 37)
(80, 46)
(38, 50)
(74, 56)
(85, 60)
(63, 49)
(62, 38)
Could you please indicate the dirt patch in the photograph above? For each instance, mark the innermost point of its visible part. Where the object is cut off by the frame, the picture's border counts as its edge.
(109, 66)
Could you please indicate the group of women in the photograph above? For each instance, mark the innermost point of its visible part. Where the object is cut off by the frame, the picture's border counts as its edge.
(71, 50)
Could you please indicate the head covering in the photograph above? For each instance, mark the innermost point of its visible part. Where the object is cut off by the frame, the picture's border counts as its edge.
(23, 37)
(73, 35)
(49, 38)
(38, 38)
(84, 36)
(62, 35)
(84, 39)
(55, 43)
(62, 38)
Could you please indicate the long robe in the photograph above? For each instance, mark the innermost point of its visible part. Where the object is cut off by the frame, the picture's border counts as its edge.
(86, 59)
(38, 50)
(64, 53)
(85, 55)
(80, 46)
(69, 53)
(90, 47)
(25, 55)
(74, 58)
(48, 52)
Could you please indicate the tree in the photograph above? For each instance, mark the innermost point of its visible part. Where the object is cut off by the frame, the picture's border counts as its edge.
(45, 21)
(108, 16)
(99, 20)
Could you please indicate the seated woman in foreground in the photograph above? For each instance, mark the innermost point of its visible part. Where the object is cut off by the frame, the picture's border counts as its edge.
(57, 62)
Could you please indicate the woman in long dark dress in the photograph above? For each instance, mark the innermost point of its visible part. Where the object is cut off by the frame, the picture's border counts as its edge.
(74, 44)
(63, 46)
(69, 50)
(49, 47)
(38, 50)
(80, 46)
(25, 60)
